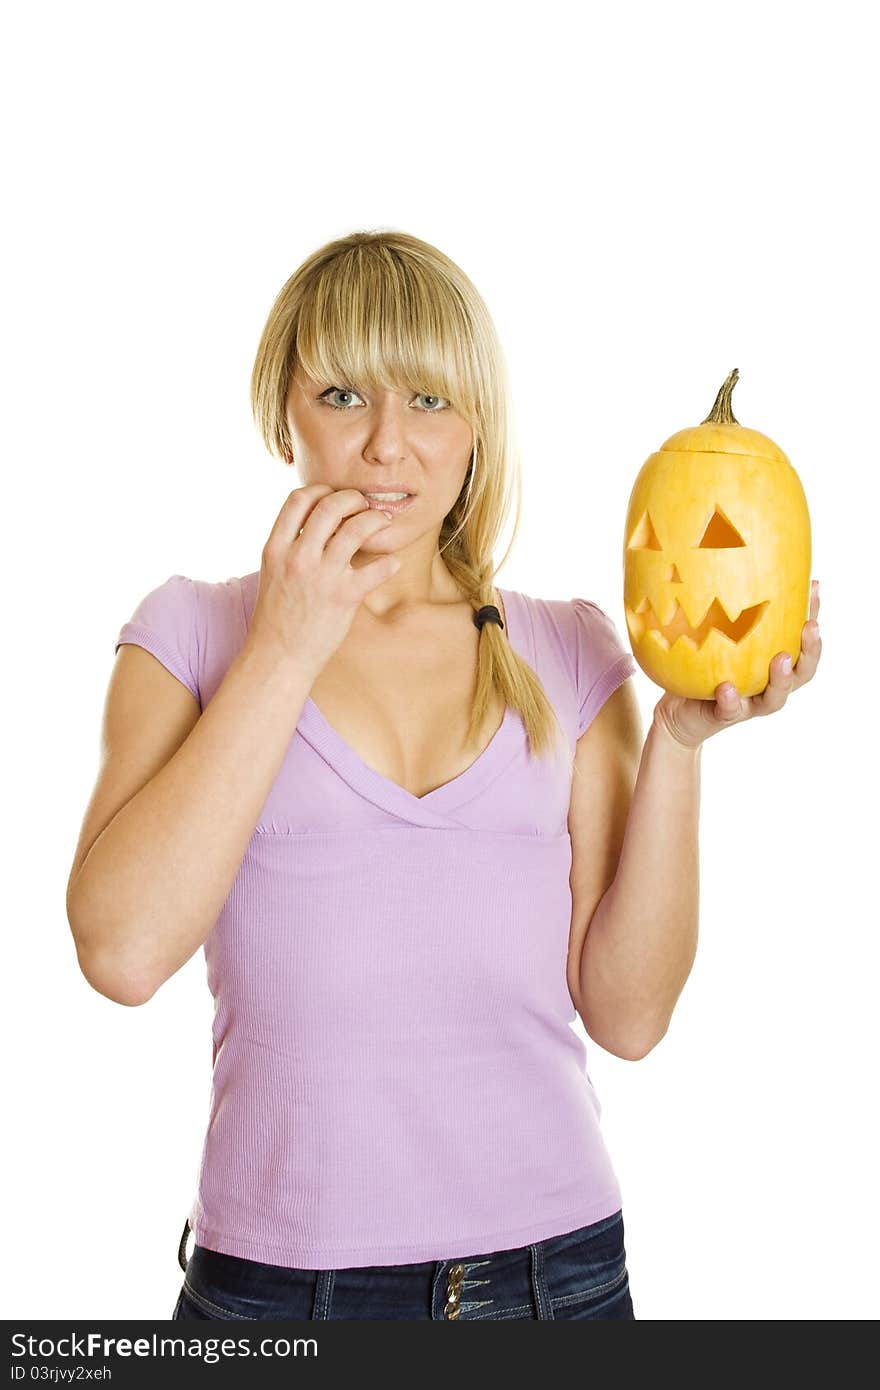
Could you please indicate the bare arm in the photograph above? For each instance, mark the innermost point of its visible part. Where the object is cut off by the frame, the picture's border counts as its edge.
(153, 883)
(642, 937)
(146, 892)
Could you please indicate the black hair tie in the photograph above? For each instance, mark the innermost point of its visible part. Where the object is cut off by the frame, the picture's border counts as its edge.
(487, 614)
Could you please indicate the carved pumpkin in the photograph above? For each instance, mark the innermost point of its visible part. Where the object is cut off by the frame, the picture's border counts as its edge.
(716, 557)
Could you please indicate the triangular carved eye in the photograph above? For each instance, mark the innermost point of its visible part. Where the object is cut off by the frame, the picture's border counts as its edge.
(644, 537)
(720, 533)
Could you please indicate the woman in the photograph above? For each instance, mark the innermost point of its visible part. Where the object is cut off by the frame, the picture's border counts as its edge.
(389, 799)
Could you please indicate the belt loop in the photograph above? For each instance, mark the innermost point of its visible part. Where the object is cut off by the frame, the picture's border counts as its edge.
(539, 1282)
(437, 1287)
(325, 1280)
(181, 1249)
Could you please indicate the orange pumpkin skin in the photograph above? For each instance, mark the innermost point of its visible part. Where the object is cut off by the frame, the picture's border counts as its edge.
(716, 558)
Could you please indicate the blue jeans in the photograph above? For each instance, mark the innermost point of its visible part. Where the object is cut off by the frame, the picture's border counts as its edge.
(581, 1274)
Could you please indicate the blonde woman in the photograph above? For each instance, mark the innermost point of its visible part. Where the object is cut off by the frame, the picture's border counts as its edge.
(388, 799)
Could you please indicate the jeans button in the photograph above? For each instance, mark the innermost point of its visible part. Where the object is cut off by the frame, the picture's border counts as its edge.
(453, 1291)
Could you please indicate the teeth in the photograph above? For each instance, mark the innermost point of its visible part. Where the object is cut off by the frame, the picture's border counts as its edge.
(387, 496)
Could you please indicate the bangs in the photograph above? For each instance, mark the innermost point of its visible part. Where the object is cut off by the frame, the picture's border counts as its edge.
(374, 321)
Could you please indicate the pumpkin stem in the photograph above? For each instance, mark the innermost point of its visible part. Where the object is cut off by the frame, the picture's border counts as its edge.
(721, 412)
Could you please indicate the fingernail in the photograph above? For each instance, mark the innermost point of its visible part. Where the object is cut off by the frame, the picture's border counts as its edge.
(786, 664)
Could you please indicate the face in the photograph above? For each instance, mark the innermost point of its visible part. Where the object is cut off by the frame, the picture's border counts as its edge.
(391, 442)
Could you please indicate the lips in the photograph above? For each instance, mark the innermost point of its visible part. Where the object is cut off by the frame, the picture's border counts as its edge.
(389, 487)
(393, 507)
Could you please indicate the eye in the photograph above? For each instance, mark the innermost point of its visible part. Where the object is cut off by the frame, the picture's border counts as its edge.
(720, 533)
(346, 391)
(340, 390)
(644, 537)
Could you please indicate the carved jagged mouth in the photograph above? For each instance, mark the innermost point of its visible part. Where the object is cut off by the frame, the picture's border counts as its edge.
(646, 620)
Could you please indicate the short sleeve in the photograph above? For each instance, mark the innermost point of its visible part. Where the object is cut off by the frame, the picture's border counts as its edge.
(602, 661)
(164, 623)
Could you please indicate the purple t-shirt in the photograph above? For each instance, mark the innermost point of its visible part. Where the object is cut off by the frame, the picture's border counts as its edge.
(395, 1074)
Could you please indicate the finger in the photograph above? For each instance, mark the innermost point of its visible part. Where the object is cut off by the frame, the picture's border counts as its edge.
(776, 692)
(814, 599)
(811, 650)
(728, 705)
(351, 537)
(366, 577)
(293, 514)
(327, 516)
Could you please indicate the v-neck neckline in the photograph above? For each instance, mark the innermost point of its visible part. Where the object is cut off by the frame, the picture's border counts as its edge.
(428, 809)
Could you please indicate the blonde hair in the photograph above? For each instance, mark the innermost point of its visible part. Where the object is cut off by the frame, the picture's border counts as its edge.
(382, 309)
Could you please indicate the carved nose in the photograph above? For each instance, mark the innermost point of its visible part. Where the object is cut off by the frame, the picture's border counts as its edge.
(674, 576)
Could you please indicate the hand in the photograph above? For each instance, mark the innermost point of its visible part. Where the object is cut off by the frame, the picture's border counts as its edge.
(691, 722)
(308, 592)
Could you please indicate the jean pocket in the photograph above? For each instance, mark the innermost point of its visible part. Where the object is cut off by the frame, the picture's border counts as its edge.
(198, 1298)
(220, 1286)
(188, 1308)
(586, 1268)
(229, 1286)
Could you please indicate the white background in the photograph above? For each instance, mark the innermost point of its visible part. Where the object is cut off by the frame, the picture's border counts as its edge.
(646, 196)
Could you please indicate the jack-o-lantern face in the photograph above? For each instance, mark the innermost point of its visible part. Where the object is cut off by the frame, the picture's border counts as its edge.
(716, 559)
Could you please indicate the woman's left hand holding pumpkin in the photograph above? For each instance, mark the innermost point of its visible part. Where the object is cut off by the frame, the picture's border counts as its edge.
(691, 722)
